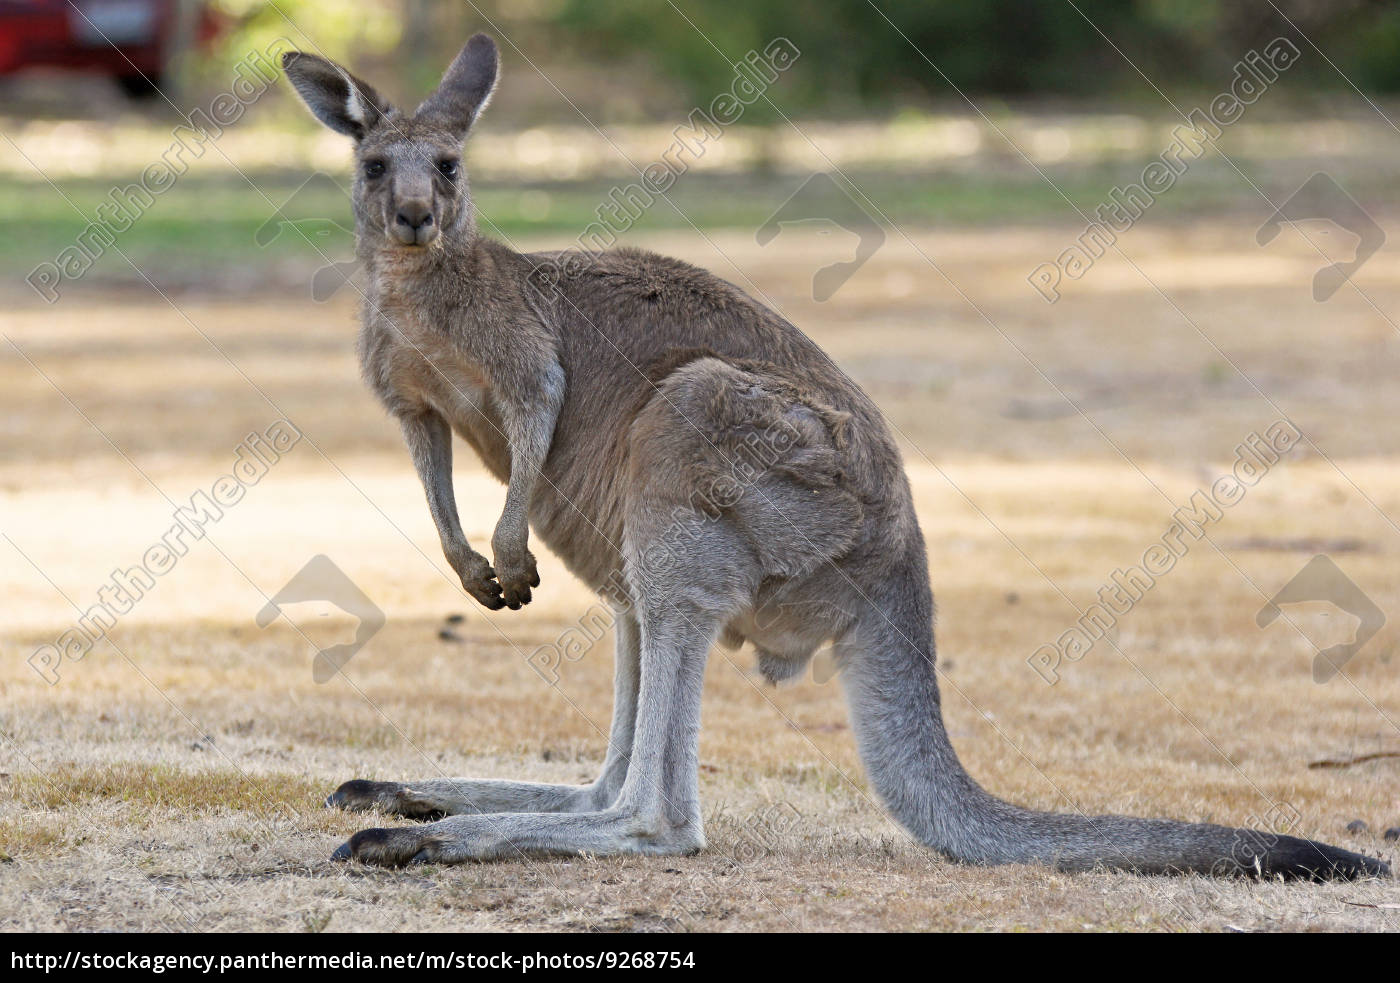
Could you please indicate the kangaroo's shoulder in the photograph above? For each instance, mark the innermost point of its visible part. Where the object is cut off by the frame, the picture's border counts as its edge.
(639, 279)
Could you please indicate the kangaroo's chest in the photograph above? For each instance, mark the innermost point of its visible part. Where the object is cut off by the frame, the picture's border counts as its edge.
(414, 366)
(460, 394)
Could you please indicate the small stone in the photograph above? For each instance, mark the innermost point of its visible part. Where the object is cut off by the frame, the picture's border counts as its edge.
(1357, 827)
(1392, 834)
(456, 619)
(447, 635)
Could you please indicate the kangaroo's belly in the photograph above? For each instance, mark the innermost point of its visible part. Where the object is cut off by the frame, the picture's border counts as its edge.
(578, 507)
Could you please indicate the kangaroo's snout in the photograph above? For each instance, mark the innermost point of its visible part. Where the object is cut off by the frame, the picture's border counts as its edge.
(413, 224)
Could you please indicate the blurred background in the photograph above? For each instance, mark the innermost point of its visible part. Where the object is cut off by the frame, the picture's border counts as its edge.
(908, 182)
(943, 111)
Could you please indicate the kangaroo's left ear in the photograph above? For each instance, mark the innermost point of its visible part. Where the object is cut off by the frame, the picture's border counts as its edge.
(466, 88)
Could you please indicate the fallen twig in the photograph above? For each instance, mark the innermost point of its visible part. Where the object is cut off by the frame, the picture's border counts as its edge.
(1348, 762)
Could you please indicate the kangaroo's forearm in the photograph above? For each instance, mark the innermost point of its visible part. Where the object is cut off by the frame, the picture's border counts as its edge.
(429, 441)
(529, 430)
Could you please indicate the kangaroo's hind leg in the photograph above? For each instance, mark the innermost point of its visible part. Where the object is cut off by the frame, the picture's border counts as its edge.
(656, 810)
(703, 529)
(433, 798)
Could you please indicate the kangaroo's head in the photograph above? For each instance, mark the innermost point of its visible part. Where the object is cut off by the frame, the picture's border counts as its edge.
(410, 188)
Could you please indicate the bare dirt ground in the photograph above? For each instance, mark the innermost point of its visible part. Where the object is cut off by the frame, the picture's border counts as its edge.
(173, 777)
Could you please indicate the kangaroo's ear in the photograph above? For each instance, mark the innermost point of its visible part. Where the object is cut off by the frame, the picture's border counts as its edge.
(466, 87)
(333, 95)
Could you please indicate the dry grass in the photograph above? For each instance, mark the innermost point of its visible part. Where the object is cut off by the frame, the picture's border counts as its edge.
(173, 778)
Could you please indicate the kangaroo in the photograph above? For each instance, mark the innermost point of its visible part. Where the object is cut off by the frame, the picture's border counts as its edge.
(621, 403)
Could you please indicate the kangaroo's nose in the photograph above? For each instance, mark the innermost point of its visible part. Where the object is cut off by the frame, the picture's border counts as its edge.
(415, 216)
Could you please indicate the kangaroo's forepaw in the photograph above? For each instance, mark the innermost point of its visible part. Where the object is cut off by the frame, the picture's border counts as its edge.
(516, 578)
(480, 582)
(391, 797)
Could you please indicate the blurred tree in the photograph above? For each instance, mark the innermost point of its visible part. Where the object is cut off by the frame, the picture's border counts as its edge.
(857, 55)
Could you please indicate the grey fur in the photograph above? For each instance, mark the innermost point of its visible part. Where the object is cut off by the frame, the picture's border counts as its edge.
(614, 394)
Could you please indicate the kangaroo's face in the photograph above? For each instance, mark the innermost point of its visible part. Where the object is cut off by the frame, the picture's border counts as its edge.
(409, 185)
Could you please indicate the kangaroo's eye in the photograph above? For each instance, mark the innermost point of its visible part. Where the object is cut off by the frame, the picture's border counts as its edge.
(448, 169)
(374, 169)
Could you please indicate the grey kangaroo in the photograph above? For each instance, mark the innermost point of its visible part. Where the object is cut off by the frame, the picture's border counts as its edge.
(611, 400)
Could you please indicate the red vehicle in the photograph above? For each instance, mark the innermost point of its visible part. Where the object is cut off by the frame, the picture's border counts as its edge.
(131, 41)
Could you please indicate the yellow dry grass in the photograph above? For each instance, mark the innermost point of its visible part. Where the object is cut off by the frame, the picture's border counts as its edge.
(172, 778)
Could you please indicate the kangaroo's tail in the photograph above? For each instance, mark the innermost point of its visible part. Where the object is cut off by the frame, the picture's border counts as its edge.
(897, 717)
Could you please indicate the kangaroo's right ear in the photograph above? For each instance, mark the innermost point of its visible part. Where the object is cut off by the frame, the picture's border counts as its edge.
(333, 95)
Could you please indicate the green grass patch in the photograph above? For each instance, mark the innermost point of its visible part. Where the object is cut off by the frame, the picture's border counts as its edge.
(213, 224)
